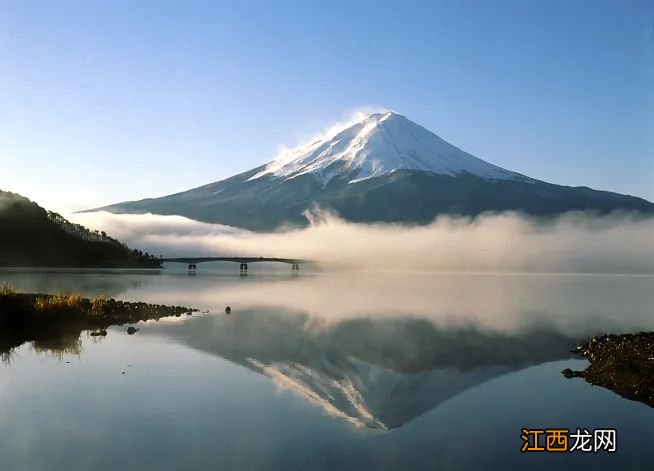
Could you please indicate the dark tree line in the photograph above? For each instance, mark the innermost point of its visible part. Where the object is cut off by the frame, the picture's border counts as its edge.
(33, 236)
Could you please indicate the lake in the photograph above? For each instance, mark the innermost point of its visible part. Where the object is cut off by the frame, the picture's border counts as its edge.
(316, 370)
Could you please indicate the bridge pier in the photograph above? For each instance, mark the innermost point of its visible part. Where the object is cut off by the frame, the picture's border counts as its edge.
(244, 266)
(295, 266)
(191, 266)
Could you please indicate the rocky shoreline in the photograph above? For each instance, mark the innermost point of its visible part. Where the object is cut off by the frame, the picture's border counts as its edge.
(34, 317)
(622, 363)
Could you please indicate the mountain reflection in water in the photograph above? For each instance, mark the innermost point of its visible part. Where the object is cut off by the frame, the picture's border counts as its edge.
(378, 373)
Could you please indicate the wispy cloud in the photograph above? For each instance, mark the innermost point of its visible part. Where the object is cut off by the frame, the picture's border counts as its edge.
(349, 118)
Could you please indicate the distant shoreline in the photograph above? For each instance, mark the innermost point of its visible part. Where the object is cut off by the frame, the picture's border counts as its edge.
(86, 267)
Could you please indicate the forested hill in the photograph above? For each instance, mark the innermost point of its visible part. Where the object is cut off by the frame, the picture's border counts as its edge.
(33, 236)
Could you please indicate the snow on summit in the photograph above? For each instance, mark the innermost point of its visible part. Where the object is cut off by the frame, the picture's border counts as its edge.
(378, 144)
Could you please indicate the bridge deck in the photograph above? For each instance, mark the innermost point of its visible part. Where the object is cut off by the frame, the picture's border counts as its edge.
(195, 260)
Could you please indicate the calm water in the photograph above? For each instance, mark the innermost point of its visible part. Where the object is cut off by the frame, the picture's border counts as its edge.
(323, 371)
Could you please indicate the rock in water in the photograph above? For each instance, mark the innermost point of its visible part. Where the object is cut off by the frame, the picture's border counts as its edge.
(228, 310)
(621, 363)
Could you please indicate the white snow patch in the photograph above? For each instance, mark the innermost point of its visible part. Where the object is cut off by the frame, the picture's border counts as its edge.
(375, 145)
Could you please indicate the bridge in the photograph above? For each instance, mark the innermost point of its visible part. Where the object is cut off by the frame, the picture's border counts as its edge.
(193, 261)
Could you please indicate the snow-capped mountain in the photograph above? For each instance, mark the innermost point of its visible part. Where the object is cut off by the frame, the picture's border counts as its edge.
(381, 167)
(376, 145)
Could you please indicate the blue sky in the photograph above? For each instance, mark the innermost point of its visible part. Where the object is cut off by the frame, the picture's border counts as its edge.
(109, 101)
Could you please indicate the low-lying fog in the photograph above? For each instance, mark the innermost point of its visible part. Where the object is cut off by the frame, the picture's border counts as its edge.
(574, 242)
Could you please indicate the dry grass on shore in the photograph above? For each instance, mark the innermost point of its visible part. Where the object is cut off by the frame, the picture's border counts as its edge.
(13, 303)
(59, 302)
(7, 289)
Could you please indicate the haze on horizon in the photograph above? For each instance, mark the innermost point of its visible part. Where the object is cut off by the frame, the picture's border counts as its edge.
(116, 101)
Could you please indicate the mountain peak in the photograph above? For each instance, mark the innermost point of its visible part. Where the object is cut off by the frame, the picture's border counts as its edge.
(377, 144)
(381, 116)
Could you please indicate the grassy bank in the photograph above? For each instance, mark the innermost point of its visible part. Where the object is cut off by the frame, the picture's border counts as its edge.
(37, 317)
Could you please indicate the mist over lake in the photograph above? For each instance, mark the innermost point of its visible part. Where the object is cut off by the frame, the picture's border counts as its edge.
(576, 242)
